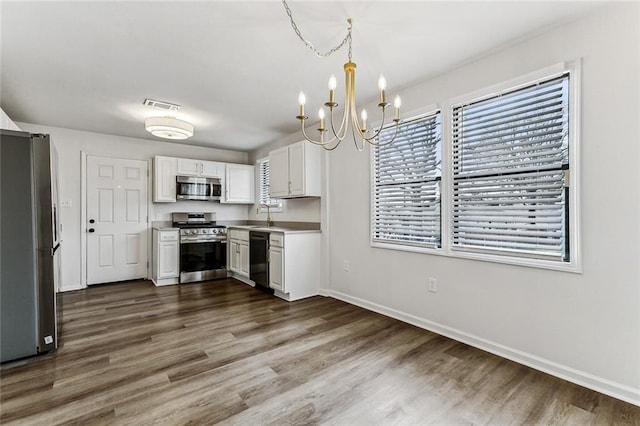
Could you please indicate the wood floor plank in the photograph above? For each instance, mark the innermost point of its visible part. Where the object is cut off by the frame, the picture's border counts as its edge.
(221, 352)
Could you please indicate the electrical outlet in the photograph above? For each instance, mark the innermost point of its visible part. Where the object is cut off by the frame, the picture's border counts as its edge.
(433, 285)
(346, 265)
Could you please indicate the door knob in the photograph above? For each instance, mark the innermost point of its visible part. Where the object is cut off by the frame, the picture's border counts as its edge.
(92, 221)
(92, 230)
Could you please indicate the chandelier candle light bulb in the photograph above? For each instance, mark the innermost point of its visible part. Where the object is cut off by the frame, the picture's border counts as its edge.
(301, 100)
(363, 115)
(332, 88)
(397, 103)
(321, 117)
(382, 85)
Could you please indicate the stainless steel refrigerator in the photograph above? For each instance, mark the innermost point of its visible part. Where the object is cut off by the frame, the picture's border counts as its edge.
(30, 245)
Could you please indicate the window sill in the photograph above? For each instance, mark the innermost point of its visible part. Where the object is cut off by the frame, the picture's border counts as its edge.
(572, 267)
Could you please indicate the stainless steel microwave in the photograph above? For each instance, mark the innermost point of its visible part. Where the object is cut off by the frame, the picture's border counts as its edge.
(198, 188)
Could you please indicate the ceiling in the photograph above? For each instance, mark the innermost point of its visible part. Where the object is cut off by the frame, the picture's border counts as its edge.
(235, 67)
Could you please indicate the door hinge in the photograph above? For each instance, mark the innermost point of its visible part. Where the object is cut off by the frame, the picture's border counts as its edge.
(566, 177)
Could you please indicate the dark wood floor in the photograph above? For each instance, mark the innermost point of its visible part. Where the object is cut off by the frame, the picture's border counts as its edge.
(221, 351)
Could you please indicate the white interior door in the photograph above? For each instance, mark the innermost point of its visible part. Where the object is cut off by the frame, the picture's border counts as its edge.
(117, 222)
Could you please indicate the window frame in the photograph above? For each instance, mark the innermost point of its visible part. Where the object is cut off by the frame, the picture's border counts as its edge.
(261, 208)
(433, 113)
(574, 265)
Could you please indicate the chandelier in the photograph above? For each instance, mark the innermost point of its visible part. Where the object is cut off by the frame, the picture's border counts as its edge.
(360, 133)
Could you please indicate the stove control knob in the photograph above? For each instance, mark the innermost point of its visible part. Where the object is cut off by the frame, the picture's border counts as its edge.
(214, 231)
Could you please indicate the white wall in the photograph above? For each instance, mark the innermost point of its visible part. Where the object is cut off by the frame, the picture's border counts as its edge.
(6, 122)
(584, 327)
(70, 144)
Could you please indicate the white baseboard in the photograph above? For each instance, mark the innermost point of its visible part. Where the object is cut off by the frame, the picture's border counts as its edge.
(598, 384)
(78, 286)
(325, 292)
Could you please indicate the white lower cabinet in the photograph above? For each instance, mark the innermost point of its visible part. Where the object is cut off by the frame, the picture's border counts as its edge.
(244, 258)
(239, 252)
(166, 257)
(276, 269)
(294, 264)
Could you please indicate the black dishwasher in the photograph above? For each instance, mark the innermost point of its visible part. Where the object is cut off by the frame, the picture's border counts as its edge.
(259, 260)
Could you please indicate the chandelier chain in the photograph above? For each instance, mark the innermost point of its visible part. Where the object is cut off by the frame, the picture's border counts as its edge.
(310, 45)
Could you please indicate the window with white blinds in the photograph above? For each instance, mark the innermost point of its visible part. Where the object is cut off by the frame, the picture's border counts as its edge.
(263, 187)
(406, 184)
(510, 165)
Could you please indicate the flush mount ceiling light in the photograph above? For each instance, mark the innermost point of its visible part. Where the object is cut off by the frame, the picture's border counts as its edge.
(168, 127)
(359, 128)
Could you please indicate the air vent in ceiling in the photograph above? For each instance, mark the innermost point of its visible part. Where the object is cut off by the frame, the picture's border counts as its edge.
(161, 105)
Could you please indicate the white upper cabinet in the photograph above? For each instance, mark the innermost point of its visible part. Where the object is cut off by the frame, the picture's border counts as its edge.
(164, 179)
(237, 180)
(213, 169)
(295, 171)
(279, 173)
(239, 184)
(188, 167)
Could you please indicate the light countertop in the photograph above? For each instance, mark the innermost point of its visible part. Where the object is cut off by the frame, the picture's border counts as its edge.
(163, 226)
(287, 230)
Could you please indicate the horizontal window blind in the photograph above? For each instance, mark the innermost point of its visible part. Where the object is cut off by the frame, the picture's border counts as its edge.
(510, 168)
(406, 184)
(263, 184)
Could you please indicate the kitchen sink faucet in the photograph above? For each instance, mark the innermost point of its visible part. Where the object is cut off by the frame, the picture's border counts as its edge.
(269, 221)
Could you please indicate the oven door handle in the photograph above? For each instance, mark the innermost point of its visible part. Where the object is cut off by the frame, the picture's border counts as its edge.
(195, 241)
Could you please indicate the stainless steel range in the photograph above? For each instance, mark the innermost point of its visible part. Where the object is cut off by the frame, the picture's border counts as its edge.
(203, 247)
